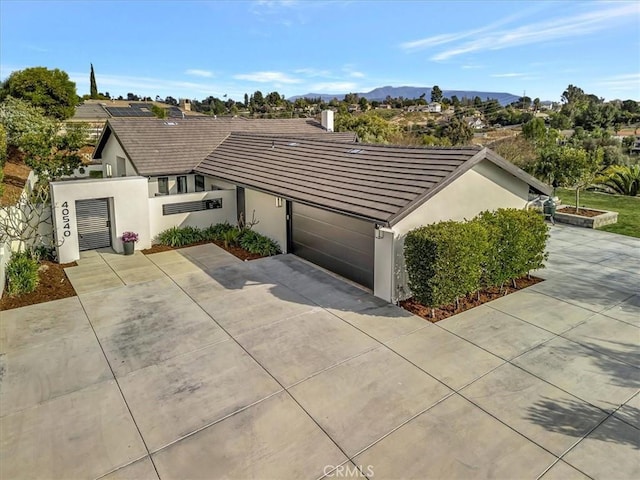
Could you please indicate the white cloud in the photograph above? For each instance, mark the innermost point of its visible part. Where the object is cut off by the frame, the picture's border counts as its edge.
(333, 87)
(313, 72)
(490, 38)
(199, 73)
(627, 81)
(267, 77)
(508, 75)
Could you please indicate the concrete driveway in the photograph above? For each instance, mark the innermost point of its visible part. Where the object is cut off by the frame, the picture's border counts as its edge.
(192, 364)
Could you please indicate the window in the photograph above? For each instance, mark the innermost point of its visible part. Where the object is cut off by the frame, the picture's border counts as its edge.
(199, 183)
(182, 184)
(163, 185)
(196, 206)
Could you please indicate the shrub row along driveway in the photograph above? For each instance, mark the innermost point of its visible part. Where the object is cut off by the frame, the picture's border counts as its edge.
(192, 364)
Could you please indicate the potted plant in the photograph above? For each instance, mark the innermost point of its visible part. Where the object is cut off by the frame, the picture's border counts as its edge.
(128, 240)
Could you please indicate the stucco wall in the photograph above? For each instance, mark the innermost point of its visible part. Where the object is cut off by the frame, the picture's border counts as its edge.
(210, 183)
(202, 219)
(128, 204)
(273, 219)
(484, 187)
(111, 151)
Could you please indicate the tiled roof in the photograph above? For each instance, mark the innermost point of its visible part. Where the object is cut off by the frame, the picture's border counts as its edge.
(90, 111)
(374, 182)
(157, 147)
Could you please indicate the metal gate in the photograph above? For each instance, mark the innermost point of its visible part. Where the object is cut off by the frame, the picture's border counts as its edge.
(342, 244)
(93, 223)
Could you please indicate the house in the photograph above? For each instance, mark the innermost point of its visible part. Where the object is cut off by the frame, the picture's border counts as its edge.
(434, 107)
(474, 122)
(343, 205)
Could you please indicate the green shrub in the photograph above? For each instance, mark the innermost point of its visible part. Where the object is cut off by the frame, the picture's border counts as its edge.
(22, 274)
(253, 242)
(215, 233)
(231, 237)
(517, 240)
(179, 237)
(448, 260)
(445, 261)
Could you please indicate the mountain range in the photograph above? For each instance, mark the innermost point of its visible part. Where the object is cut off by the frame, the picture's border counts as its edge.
(381, 93)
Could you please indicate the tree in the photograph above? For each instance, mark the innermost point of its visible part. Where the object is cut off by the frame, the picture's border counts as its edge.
(534, 130)
(571, 167)
(457, 131)
(572, 95)
(369, 127)
(624, 180)
(93, 85)
(436, 94)
(159, 112)
(49, 89)
(536, 103)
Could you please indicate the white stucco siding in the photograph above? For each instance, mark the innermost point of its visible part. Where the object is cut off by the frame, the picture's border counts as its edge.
(484, 187)
(128, 205)
(159, 222)
(110, 153)
(272, 219)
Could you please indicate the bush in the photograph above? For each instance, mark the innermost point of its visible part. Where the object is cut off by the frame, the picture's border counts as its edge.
(22, 274)
(517, 239)
(215, 233)
(230, 237)
(445, 261)
(226, 233)
(448, 260)
(253, 242)
(179, 237)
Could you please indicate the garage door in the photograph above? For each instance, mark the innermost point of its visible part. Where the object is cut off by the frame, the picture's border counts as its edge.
(93, 223)
(341, 244)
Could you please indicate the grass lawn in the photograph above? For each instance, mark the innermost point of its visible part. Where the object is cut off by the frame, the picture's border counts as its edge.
(628, 209)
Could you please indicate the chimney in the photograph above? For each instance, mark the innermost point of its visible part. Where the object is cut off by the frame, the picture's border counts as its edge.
(327, 120)
(185, 105)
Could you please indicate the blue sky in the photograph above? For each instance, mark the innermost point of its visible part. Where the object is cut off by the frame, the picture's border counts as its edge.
(196, 49)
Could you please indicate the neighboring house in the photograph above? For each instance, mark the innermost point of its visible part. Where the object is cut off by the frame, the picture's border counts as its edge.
(434, 107)
(474, 122)
(343, 205)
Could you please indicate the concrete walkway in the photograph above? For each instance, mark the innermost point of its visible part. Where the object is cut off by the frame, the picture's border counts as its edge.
(194, 364)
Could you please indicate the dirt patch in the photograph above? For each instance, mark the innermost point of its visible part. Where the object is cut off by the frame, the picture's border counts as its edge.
(239, 252)
(466, 303)
(583, 212)
(15, 176)
(53, 285)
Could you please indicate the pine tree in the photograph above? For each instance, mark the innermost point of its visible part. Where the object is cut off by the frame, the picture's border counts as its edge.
(94, 86)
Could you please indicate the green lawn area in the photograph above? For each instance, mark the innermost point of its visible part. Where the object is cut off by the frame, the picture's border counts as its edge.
(628, 209)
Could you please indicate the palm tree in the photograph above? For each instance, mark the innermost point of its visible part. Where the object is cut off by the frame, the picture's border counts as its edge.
(623, 180)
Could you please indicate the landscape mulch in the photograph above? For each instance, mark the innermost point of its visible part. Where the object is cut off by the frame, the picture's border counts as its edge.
(583, 212)
(53, 285)
(239, 252)
(466, 303)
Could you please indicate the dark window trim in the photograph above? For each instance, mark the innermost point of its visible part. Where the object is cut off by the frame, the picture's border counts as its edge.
(199, 185)
(186, 188)
(166, 185)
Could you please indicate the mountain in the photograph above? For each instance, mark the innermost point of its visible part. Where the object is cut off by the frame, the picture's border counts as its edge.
(381, 93)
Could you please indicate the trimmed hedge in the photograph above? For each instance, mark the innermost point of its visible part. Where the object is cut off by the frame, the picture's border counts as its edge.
(448, 260)
(22, 274)
(445, 261)
(517, 239)
(226, 233)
